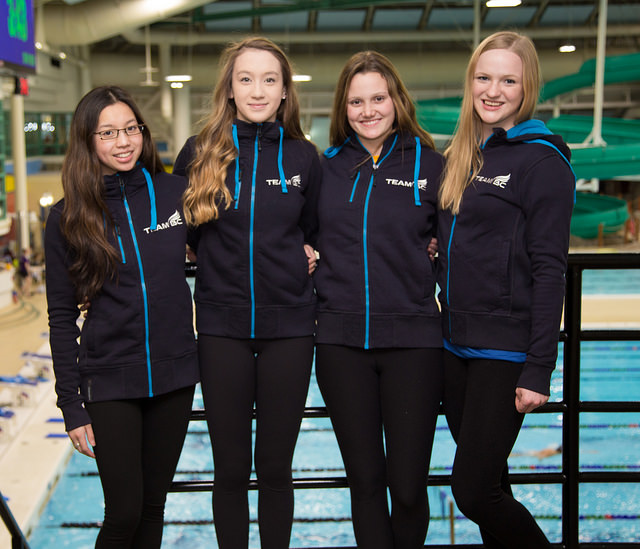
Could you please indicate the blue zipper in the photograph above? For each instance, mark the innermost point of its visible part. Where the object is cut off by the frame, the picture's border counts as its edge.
(124, 259)
(353, 190)
(453, 225)
(367, 299)
(143, 285)
(251, 223)
(367, 303)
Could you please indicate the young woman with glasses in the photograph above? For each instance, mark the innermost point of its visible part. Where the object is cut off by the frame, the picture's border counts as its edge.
(117, 241)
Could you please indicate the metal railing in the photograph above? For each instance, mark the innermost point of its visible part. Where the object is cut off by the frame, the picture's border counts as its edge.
(570, 477)
(18, 540)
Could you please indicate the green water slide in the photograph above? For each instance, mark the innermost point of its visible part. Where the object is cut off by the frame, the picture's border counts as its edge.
(595, 213)
(621, 68)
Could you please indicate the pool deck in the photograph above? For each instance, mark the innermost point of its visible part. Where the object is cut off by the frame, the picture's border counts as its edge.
(34, 448)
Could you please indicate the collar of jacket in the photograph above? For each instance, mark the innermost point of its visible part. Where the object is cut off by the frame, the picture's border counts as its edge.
(133, 182)
(269, 131)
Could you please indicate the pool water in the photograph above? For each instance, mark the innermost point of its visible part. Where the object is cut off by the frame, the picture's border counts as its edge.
(609, 512)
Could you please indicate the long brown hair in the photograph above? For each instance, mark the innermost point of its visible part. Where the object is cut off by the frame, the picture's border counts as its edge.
(372, 61)
(85, 220)
(215, 150)
(463, 155)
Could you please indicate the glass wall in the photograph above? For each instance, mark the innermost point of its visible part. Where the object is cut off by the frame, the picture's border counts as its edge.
(45, 133)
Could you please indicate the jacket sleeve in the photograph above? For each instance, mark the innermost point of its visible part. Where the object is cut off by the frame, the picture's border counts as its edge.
(63, 328)
(548, 198)
(309, 220)
(185, 157)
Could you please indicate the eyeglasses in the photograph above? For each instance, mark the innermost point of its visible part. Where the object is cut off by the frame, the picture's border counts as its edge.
(107, 135)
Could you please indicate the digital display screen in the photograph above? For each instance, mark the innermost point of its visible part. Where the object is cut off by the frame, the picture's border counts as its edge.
(17, 47)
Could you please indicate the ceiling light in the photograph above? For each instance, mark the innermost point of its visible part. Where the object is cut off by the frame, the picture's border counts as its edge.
(503, 3)
(178, 78)
(567, 48)
(301, 78)
(177, 85)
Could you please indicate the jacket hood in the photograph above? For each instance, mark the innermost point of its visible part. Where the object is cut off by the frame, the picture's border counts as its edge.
(531, 131)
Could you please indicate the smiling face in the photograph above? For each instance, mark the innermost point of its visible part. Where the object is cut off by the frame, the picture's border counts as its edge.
(257, 86)
(370, 109)
(497, 89)
(122, 153)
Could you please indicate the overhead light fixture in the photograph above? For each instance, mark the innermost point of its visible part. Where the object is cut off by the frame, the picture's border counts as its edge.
(567, 48)
(301, 78)
(503, 3)
(178, 78)
(177, 85)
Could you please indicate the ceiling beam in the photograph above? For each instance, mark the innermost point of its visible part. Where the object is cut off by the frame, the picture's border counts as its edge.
(383, 37)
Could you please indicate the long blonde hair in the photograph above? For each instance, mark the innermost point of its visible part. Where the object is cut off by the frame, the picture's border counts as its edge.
(463, 155)
(366, 62)
(215, 150)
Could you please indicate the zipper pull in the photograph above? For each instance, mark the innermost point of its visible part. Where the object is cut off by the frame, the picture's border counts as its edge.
(373, 175)
(121, 187)
(258, 137)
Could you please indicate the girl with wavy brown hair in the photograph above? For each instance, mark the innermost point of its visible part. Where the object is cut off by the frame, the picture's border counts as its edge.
(253, 181)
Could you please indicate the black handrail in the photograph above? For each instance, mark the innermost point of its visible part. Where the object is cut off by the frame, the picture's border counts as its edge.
(18, 541)
(570, 407)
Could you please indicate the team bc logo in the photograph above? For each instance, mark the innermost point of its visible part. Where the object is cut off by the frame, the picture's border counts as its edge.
(295, 181)
(497, 181)
(422, 183)
(173, 221)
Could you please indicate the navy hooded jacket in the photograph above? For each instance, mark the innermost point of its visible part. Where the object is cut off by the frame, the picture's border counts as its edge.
(375, 282)
(252, 279)
(137, 340)
(503, 258)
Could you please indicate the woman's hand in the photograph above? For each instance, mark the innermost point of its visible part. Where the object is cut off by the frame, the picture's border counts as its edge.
(432, 249)
(527, 401)
(84, 307)
(312, 258)
(83, 439)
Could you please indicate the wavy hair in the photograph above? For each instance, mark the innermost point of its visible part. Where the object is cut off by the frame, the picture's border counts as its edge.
(86, 222)
(207, 191)
(366, 62)
(463, 155)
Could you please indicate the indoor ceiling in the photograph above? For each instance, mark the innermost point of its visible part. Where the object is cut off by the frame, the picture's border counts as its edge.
(328, 26)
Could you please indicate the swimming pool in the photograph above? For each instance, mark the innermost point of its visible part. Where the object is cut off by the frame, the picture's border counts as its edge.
(609, 512)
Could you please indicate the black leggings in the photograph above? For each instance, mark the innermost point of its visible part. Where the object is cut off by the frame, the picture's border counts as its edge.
(273, 375)
(384, 399)
(479, 403)
(138, 444)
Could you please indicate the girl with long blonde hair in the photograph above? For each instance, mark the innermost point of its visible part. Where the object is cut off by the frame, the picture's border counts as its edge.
(503, 234)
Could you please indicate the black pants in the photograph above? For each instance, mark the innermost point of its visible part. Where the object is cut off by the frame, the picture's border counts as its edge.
(479, 403)
(273, 375)
(383, 406)
(138, 444)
